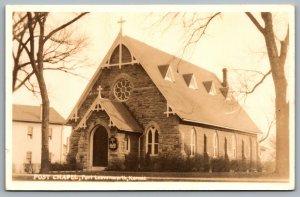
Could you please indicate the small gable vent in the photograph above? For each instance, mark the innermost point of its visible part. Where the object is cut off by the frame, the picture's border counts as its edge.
(190, 81)
(210, 87)
(166, 72)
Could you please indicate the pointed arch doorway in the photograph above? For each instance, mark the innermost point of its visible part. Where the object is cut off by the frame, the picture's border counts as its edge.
(99, 147)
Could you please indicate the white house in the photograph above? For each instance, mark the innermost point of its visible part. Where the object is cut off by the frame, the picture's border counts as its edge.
(27, 138)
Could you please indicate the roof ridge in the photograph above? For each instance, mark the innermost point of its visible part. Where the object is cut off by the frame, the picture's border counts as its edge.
(174, 56)
(23, 112)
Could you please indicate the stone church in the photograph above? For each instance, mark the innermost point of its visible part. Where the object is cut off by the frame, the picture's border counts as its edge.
(143, 101)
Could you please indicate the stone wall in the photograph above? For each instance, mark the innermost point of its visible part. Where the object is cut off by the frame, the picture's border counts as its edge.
(234, 142)
(146, 104)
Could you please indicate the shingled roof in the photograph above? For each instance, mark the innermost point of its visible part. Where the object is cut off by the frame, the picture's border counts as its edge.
(120, 116)
(193, 105)
(28, 113)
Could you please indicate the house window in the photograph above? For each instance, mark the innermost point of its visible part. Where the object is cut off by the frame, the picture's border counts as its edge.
(216, 146)
(28, 157)
(127, 143)
(234, 146)
(193, 142)
(50, 133)
(205, 144)
(30, 132)
(152, 141)
(123, 89)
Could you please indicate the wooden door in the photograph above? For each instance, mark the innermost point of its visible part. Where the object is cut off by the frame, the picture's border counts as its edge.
(100, 147)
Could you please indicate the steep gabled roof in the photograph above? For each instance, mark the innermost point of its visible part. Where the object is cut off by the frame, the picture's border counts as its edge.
(190, 105)
(28, 113)
(120, 116)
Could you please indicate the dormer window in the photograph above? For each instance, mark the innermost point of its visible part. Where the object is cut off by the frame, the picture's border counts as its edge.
(190, 80)
(166, 72)
(210, 87)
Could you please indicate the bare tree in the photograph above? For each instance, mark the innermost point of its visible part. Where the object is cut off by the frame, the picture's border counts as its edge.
(38, 47)
(196, 26)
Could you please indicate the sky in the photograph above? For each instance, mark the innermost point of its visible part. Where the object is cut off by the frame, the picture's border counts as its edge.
(231, 41)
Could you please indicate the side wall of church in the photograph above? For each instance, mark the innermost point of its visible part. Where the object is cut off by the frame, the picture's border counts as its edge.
(216, 143)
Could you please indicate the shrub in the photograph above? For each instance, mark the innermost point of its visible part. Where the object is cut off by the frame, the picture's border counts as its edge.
(117, 165)
(65, 167)
(28, 168)
(72, 164)
(259, 166)
(131, 162)
(199, 163)
(220, 164)
(206, 164)
(169, 163)
(146, 163)
(56, 167)
(239, 165)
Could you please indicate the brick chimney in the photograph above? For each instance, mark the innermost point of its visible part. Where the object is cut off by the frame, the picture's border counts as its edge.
(225, 82)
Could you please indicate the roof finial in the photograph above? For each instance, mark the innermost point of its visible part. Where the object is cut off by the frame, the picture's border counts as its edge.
(121, 21)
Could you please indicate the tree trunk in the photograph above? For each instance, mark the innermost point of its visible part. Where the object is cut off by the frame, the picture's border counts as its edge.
(41, 18)
(282, 130)
(277, 62)
(45, 125)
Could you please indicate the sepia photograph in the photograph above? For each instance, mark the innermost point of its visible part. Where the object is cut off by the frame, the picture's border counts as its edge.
(152, 97)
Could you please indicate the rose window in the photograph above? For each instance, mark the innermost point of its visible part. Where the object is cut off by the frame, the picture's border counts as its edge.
(122, 89)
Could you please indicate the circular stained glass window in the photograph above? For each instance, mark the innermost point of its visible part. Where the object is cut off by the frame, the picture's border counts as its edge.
(122, 89)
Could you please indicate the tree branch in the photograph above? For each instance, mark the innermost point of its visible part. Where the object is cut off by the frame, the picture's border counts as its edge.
(284, 48)
(63, 26)
(31, 42)
(269, 129)
(255, 22)
(258, 83)
(23, 81)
